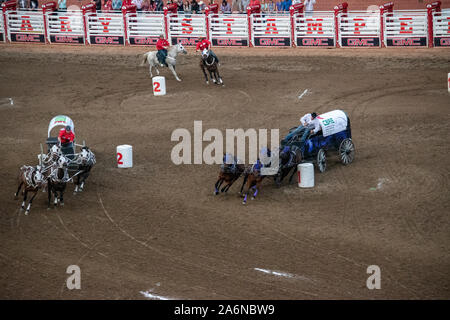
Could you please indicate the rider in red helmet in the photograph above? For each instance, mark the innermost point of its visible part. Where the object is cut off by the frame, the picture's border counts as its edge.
(162, 45)
(66, 135)
(203, 44)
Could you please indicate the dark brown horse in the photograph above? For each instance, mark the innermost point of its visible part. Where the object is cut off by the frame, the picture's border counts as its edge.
(31, 179)
(208, 62)
(229, 173)
(290, 157)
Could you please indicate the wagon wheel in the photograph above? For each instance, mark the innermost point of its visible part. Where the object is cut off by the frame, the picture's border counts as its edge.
(347, 151)
(321, 160)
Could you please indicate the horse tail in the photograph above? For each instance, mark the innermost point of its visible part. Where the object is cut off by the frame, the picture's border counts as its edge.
(144, 58)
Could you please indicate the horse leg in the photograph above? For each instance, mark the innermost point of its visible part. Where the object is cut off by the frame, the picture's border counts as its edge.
(174, 73)
(49, 193)
(204, 72)
(217, 186)
(150, 69)
(257, 187)
(211, 76)
(216, 74)
(228, 186)
(283, 175)
(225, 186)
(31, 201)
(243, 183)
(18, 190)
(248, 186)
(61, 195)
(25, 193)
(55, 200)
(292, 174)
(219, 78)
(77, 185)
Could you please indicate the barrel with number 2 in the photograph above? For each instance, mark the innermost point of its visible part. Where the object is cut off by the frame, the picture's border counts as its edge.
(124, 156)
(159, 86)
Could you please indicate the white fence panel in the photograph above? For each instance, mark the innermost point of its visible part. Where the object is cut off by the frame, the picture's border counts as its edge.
(228, 30)
(25, 26)
(271, 30)
(65, 27)
(441, 28)
(186, 28)
(2, 30)
(316, 30)
(144, 28)
(406, 28)
(105, 28)
(359, 29)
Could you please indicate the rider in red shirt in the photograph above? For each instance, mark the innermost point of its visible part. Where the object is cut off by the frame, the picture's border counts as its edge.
(66, 135)
(162, 46)
(203, 44)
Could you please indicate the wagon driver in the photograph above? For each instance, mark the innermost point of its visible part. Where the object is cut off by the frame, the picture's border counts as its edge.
(66, 136)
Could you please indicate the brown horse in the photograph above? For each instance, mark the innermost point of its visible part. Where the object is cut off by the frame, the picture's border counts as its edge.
(209, 63)
(229, 173)
(32, 179)
(252, 180)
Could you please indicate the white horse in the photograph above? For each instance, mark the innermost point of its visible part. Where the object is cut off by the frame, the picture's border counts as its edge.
(172, 54)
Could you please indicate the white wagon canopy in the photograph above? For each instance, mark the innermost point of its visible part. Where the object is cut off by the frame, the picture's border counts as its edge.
(60, 121)
(333, 122)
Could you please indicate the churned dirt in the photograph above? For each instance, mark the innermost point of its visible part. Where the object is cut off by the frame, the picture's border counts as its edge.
(158, 227)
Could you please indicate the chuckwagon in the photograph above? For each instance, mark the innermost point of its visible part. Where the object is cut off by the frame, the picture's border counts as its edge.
(77, 161)
(335, 135)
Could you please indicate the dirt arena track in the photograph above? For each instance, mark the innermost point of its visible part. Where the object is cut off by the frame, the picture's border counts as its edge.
(158, 228)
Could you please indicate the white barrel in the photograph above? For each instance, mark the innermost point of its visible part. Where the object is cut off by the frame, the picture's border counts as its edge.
(305, 175)
(159, 86)
(124, 156)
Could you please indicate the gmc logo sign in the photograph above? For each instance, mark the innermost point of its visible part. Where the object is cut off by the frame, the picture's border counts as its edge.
(315, 42)
(273, 42)
(185, 41)
(360, 42)
(230, 42)
(22, 37)
(407, 42)
(442, 42)
(115, 40)
(67, 39)
(148, 41)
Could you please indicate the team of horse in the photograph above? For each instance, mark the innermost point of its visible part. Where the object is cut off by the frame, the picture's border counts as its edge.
(231, 170)
(52, 175)
(207, 63)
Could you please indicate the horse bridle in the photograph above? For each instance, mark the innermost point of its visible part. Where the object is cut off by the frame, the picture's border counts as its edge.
(206, 60)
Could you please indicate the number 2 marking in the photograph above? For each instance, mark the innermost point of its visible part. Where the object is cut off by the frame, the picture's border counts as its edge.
(119, 158)
(157, 85)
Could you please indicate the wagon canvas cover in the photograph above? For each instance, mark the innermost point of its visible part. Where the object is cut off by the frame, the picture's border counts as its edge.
(332, 122)
(60, 120)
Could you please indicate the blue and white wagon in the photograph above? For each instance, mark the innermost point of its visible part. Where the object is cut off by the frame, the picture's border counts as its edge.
(335, 135)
